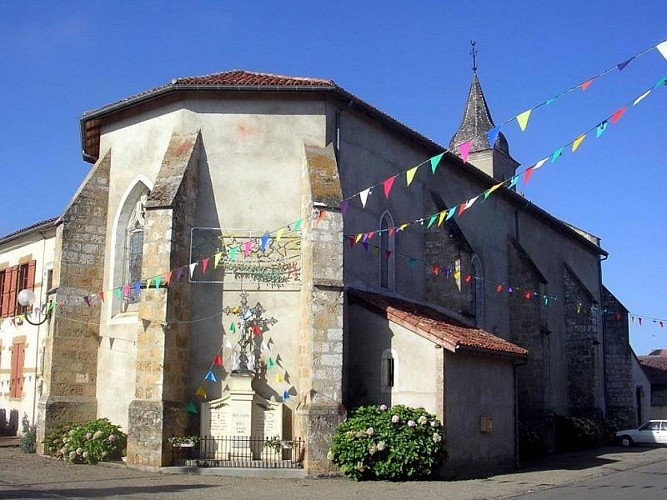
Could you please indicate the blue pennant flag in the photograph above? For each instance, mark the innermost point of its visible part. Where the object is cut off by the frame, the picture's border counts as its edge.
(211, 377)
(493, 135)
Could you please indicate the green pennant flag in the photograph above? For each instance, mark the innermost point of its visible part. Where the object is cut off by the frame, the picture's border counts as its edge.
(297, 225)
(118, 292)
(271, 363)
(191, 408)
(435, 161)
(432, 220)
(232, 252)
(232, 327)
(158, 280)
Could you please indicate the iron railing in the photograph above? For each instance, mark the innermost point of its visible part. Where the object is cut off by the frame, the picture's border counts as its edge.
(241, 451)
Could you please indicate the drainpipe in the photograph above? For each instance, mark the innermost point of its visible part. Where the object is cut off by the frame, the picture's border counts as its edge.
(39, 328)
(604, 342)
(516, 418)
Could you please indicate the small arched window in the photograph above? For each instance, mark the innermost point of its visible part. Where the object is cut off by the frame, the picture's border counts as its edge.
(388, 370)
(387, 248)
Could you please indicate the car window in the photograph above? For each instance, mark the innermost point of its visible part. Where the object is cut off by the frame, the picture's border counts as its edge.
(653, 426)
(646, 426)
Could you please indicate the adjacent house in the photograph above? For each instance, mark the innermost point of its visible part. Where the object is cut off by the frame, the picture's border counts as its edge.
(26, 263)
(280, 225)
(655, 368)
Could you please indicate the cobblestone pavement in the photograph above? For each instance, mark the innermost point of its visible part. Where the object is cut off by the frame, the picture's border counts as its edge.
(30, 476)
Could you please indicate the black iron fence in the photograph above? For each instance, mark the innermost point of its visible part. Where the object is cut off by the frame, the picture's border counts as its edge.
(241, 451)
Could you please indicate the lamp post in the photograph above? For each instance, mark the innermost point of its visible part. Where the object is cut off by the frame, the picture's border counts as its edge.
(27, 298)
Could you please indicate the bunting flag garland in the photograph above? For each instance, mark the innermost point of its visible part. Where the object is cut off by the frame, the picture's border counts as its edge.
(522, 119)
(201, 392)
(462, 207)
(192, 269)
(191, 408)
(616, 116)
(211, 377)
(218, 360)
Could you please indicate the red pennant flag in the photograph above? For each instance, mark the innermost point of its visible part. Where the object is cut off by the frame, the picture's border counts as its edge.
(616, 116)
(462, 207)
(468, 278)
(101, 296)
(391, 230)
(255, 329)
(586, 84)
(435, 270)
(499, 288)
(371, 234)
(351, 240)
(527, 295)
(320, 216)
(387, 186)
(204, 265)
(218, 360)
(527, 174)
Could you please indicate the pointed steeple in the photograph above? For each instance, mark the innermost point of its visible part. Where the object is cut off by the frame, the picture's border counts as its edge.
(493, 159)
(477, 122)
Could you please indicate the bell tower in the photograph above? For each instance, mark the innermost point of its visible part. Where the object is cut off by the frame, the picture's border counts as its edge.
(493, 159)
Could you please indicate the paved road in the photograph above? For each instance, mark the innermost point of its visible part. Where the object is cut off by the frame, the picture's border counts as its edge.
(34, 477)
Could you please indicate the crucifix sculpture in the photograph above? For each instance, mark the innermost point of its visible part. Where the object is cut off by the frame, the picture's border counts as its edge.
(252, 323)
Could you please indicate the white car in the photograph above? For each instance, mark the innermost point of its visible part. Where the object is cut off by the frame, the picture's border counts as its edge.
(652, 432)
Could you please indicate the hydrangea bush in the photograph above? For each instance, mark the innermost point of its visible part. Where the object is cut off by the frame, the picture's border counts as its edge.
(397, 443)
(91, 442)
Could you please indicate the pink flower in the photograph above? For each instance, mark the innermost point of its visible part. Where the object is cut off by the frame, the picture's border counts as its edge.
(412, 423)
(383, 407)
(395, 419)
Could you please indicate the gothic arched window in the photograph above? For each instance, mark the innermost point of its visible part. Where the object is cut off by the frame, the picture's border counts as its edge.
(387, 248)
(128, 250)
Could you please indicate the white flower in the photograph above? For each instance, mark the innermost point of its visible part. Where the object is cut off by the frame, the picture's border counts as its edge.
(422, 420)
(412, 423)
(329, 455)
(395, 419)
(97, 435)
(383, 407)
(72, 455)
(370, 431)
(79, 451)
(381, 446)
(85, 454)
(89, 435)
(372, 449)
(434, 424)
(360, 434)
(436, 437)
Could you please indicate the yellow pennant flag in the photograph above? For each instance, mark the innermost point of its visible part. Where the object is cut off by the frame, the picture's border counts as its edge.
(358, 237)
(523, 119)
(403, 226)
(578, 141)
(279, 233)
(442, 217)
(279, 378)
(457, 275)
(201, 392)
(216, 259)
(410, 174)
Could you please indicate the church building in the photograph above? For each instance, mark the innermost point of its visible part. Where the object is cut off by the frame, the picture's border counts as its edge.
(283, 228)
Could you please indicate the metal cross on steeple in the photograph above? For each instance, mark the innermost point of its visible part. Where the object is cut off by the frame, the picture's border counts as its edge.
(473, 53)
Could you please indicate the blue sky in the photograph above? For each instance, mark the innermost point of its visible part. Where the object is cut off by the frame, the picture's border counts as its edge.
(410, 59)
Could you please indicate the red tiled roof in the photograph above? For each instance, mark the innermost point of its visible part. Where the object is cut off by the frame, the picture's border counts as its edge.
(437, 327)
(655, 368)
(28, 229)
(252, 78)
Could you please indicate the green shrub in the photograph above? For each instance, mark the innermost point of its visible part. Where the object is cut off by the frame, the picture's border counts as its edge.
(573, 433)
(531, 444)
(395, 444)
(91, 442)
(28, 440)
(611, 426)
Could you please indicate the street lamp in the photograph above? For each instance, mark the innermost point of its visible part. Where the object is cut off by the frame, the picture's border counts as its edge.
(27, 298)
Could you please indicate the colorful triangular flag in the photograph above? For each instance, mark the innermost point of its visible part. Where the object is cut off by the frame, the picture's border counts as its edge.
(586, 84)
(464, 149)
(201, 392)
(640, 98)
(492, 135)
(527, 174)
(216, 259)
(218, 360)
(577, 142)
(211, 377)
(191, 408)
(264, 241)
(387, 186)
(410, 174)
(431, 220)
(192, 269)
(435, 161)
(600, 129)
(662, 48)
(343, 206)
(523, 119)
(622, 65)
(364, 196)
(297, 225)
(557, 154)
(616, 116)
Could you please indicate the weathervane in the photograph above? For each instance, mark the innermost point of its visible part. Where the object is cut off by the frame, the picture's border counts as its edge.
(473, 53)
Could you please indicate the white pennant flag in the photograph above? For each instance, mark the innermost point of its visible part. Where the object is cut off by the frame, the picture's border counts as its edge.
(662, 47)
(192, 269)
(540, 163)
(228, 345)
(469, 203)
(641, 98)
(364, 196)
